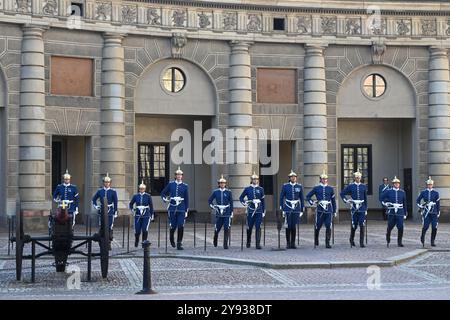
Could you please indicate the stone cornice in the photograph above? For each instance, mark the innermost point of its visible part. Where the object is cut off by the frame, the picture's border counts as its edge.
(242, 21)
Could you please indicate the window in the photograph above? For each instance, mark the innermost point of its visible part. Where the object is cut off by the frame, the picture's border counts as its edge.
(356, 157)
(77, 9)
(374, 86)
(278, 24)
(266, 181)
(174, 80)
(153, 166)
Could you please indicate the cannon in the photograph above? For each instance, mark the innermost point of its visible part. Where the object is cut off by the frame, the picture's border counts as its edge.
(62, 242)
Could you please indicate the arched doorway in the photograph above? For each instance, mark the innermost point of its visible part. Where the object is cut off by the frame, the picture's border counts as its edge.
(376, 112)
(174, 94)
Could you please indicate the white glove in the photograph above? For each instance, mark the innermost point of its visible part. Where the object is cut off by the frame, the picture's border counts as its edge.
(76, 211)
(211, 206)
(346, 200)
(283, 214)
(231, 214)
(404, 217)
(115, 214)
(366, 213)
(311, 202)
(153, 217)
(165, 199)
(335, 214)
(420, 206)
(281, 208)
(186, 214)
(439, 213)
(96, 207)
(264, 214)
(301, 213)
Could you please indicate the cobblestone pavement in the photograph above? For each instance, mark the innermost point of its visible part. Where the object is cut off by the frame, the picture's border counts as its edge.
(426, 276)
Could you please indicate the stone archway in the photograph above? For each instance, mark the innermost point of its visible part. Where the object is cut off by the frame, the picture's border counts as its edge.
(158, 112)
(382, 131)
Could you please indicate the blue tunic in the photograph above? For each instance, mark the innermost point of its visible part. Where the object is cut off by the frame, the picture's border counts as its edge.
(382, 188)
(142, 199)
(253, 192)
(357, 191)
(397, 196)
(67, 192)
(323, 193)
(111, 196)
(428, 195)
(222, 197)
(174, 189)
(291, 191)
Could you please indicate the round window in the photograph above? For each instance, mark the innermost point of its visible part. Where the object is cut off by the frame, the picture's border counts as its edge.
(174, 79)
(374, 86)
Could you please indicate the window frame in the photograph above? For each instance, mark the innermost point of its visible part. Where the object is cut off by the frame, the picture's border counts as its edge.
(163, 80)
(366, 180)
(373, 86)
(148, 180)
(268, 187)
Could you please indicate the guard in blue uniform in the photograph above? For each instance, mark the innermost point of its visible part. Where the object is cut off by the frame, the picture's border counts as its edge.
(395, 201)
(66, 195)
(223, 208)
(111, 196)
(431, 210)
(326, 208)
(292, 205)
(253, 199)
(176, 194)
(142, 207)
(358, 201)
(382, 188)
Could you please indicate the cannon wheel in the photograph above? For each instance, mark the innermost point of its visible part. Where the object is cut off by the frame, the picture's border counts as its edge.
(104, 240)
(19, 241)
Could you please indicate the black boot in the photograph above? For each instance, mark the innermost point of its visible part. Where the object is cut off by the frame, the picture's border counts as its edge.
(258, 239)
(288, 238)
(136, 240)
(293, 233)
(249, 238)
(144, 236)
(216, 234)
(433, 236)
(172, 238)
(226, 237)
(388, 236)
(352, 237)
(422, 237)
(400, 237)
(327, 238)
(180, 238)
(316, 237)
(361, 237)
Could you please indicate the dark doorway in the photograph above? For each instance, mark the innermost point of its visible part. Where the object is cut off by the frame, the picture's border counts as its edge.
(407, 186)
(70, 153)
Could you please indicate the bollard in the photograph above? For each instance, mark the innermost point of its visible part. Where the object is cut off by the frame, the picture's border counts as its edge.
(147, 278)
(194, 230)
(298, 233)
(123, 232)
(206, 222)
(159, 230)
(366, 230)
(242, 235)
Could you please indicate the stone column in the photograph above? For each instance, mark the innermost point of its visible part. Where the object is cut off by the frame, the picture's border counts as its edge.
(315, 116)
(439, 123)
(32, 123)
(240, 112)
(112, 131)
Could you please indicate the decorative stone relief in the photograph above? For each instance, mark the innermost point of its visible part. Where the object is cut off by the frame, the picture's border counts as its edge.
(103, 11)
(378, 50)
(378, 26)
(153, 17)
(129, 14)
(23, 6)
(328, 25)
(353, 26)
(178, 17)
(447, 30)
(203, 20)
(178, 42)
(304, 24)
(230, 21)
(50, 8)
(254, 22)
(429, 27)
(403, 27)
